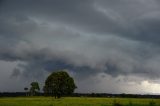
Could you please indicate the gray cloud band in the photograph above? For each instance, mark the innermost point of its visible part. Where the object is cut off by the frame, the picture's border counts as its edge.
(87, 37)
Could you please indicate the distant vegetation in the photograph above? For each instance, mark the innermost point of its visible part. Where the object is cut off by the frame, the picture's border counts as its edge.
(101, 95)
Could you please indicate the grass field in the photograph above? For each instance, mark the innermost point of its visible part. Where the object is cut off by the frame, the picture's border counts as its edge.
(77, 101)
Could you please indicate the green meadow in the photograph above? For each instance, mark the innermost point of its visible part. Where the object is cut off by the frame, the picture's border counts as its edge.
(77, 101)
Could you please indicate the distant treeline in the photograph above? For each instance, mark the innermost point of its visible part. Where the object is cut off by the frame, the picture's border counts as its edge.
(16, 94)
(114, 95)
(20, 94)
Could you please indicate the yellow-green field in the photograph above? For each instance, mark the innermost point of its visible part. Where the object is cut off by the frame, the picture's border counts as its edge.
(77, 101)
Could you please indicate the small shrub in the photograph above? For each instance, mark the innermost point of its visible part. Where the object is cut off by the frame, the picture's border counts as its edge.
(152, 103)
(130, 103)
(51, 105)
(115, 103)
(104, 105)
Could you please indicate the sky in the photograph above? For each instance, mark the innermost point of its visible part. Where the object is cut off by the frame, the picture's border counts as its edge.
(107, 46)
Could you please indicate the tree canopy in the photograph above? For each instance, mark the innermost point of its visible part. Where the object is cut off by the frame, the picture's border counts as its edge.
(59, 84)
(34, 88)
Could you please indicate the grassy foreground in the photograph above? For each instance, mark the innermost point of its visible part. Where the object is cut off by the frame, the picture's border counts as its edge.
(77, 101)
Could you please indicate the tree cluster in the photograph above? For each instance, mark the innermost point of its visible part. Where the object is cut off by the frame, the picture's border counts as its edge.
(57, 84)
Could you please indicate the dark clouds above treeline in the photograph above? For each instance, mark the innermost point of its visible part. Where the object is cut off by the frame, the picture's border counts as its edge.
(87, 37)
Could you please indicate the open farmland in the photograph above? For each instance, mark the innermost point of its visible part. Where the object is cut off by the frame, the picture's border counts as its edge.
(77, 101)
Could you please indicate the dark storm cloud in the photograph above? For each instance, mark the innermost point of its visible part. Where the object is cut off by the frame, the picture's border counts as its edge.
(87, 37)
(123, 18)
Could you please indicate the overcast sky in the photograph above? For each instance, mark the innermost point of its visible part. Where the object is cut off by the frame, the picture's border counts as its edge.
(110, 46)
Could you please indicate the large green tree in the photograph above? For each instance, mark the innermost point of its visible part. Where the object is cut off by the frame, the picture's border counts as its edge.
(34, 88)
(59, 84)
